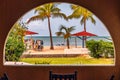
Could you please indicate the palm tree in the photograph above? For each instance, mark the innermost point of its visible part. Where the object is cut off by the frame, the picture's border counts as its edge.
(65, 32)
(46, 12)
(84, 15)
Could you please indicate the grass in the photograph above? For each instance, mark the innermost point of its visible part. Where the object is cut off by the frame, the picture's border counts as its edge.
(68, 60)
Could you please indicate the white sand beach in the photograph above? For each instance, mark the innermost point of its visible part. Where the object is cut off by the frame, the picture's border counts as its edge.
(58, 50)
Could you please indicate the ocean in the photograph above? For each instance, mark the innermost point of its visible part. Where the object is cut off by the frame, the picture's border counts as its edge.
(60, 40)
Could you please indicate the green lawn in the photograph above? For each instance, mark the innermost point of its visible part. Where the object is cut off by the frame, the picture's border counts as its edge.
(76, 60)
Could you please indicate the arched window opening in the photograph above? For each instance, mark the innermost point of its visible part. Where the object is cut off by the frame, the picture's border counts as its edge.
(59, 34)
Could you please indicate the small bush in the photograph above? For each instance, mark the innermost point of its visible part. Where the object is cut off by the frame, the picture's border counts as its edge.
(15, 45)
(100, 48)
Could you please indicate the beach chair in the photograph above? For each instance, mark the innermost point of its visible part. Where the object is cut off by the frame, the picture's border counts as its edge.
(58, 76)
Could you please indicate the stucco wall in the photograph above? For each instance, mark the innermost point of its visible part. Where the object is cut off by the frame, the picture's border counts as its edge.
(106, 10)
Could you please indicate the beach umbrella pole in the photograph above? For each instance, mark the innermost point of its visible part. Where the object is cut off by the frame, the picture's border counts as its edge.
(83, 42)
(84, 35)
(75, 42)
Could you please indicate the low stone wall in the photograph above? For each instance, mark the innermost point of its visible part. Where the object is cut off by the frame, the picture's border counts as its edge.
(77, 51)
(50, 55)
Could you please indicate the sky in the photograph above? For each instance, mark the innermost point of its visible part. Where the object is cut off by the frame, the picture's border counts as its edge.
(41, 27)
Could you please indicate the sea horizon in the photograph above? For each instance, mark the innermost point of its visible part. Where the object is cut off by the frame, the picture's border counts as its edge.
(57, 40)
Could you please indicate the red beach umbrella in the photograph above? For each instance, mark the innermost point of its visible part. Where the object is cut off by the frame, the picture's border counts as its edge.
(83, 34)
(27, 32)
(30, 32)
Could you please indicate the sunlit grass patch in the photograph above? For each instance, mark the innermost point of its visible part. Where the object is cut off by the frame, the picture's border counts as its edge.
(68, 60)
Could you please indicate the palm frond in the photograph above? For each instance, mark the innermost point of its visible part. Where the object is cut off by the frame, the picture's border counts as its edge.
(82, 21)
(40, 9)
(61, 15)
(37, 17)
(72, 28)
(67, 35)
(59, 33)
(47, 6)
(62, 27)
(74, 7)
(66, 32)
(76, 14)
(55, 10)
(50, 6)
(36, 9)
(93, 20)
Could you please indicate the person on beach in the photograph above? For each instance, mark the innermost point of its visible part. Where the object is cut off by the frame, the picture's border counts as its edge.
(36, 45)
(42, 44)
(39, 44)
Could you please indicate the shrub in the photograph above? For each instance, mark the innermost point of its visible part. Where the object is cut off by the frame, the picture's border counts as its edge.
(100, 48)
(14, 45)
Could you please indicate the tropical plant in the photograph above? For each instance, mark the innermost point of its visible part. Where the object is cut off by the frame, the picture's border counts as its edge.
(15, 45)
(95, 48)
(107, 49)
(81, 13)
(100, 48)
(65, 32)
(46, 12)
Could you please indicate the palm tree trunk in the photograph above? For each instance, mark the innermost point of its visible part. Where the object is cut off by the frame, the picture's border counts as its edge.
(85, 24)
(68, 43)
(84, 38)
(51, 41)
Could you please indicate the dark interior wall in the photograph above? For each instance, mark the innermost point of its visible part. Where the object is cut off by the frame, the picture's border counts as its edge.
(106, 10)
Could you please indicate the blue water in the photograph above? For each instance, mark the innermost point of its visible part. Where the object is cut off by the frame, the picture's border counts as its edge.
(60, 40)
